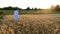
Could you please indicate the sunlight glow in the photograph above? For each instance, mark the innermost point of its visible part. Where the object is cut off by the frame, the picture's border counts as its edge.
(29, 3)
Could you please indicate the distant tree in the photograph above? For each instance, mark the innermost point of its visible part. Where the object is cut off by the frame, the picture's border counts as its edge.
(52, 7)
(7, 8)
(35, 9)
(15, 8)
(11, 8)
(1, 8)
(32, 9)
(55, 8)
(39, 8)
(28, 8)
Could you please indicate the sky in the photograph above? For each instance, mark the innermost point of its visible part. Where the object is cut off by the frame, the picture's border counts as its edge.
(29, 3)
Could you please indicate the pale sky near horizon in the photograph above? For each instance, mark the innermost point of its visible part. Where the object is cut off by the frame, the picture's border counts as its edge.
(29, 3)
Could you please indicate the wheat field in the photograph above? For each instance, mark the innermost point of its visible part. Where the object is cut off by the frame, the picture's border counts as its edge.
(31, 24)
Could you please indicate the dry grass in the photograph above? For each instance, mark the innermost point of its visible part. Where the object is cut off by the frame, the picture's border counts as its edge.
(31, 24)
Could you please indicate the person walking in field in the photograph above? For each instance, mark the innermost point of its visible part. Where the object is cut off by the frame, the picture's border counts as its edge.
(16, 17)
